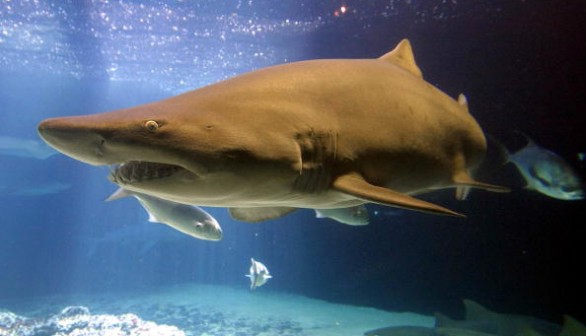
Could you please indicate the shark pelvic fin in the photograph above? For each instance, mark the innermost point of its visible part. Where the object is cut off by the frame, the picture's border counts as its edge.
(464, 183)
(152, 218)
(118, 194)
(402, 56)
(255, 215)
(353, 184)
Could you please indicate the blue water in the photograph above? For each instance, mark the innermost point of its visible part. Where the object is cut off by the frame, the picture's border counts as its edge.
(520, 63)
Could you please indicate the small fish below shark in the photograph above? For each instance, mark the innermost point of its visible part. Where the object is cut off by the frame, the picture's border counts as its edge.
(258, 274)
(356, 215)
(188, 219)
(545, 172)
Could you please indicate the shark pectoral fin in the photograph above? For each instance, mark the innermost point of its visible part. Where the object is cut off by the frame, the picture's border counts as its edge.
(355, 185)
(255, 215)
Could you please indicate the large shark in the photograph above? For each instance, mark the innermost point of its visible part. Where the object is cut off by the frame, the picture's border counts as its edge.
(317, 134)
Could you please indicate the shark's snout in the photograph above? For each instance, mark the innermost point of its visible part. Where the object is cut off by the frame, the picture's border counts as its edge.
(77, 141)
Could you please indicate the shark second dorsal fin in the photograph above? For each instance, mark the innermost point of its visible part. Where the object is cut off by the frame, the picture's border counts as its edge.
(462, 101)
(402, 56)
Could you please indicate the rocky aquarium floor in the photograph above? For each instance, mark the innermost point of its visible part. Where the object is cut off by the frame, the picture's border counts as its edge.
(200, 310)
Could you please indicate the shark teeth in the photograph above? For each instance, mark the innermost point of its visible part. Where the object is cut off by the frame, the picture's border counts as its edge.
(139, 171)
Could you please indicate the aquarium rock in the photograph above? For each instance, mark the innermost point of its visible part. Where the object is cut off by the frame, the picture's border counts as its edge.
(77, 320)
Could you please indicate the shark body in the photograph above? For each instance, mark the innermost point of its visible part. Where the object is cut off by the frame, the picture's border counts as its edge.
(320, 134)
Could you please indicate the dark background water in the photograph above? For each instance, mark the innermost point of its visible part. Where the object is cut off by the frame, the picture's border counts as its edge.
(520, 63)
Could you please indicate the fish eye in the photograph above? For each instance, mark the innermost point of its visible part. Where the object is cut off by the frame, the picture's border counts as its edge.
(151, 125)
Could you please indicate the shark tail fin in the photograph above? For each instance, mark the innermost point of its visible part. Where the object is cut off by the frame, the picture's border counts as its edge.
(504, 156)
(118, 194)
(530, 142)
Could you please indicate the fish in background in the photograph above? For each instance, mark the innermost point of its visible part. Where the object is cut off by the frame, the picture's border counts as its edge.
(26, 148)
(188, 219)
(546, 172)
(34, 189)
(258, 274)
(137, 238)
(356, 215)
(480, 321)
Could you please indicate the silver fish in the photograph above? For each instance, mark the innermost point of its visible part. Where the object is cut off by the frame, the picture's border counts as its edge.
(356, 215)
(258, 274)
(546, 172)
(187, 219)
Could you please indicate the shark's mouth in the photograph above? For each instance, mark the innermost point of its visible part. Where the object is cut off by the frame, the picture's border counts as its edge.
(140, 171)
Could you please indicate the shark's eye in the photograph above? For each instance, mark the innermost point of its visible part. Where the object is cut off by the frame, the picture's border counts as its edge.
(151, 125)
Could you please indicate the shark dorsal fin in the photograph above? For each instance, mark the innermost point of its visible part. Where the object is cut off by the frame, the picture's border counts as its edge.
(402, 56)
(442, 321)
(475, 311)
(572, 327)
